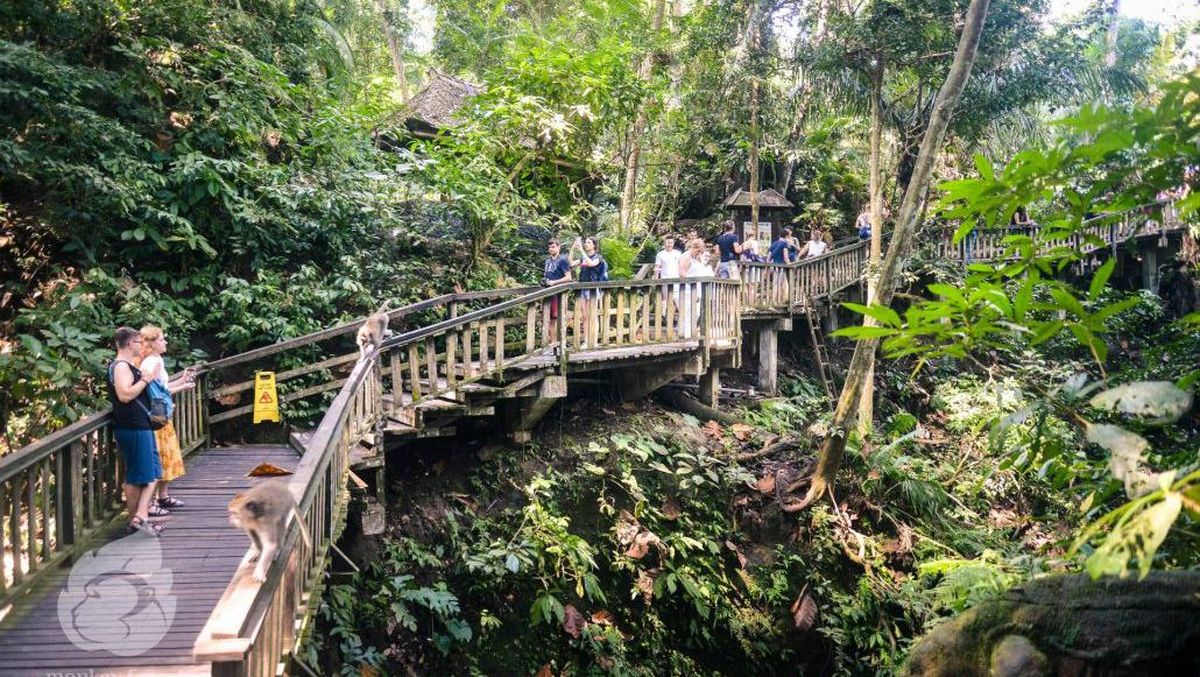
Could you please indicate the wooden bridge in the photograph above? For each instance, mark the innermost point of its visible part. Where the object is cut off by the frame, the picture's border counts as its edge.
(506, 354)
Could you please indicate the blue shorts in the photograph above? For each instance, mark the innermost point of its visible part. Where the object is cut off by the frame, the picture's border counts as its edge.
(140, 451)
(592, 293)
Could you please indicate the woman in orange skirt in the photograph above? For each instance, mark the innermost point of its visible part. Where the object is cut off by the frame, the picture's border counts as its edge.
(154, 344)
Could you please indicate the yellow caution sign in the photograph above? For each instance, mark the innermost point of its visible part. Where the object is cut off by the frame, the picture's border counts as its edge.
(266, 400)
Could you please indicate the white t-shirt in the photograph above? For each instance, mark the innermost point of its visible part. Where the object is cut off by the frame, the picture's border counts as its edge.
(698, 269)
(149, 361)
(667, 262)
(816, 248)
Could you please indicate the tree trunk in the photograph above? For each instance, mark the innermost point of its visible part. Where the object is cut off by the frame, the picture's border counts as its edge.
(834, 447)
(1114, 27)
(753, 159)
(389, 32)
(803, 84)
(633, 162)
(866, 405)
(754, 32)
(1072, 625)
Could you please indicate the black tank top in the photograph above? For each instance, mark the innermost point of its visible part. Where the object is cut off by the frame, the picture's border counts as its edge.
(134, 414)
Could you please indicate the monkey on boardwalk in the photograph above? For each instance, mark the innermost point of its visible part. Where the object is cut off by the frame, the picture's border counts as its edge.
(263, 511)
(373, 331)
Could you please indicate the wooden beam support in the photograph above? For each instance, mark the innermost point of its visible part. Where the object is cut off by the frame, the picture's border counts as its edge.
(768, 361)
(710, 387)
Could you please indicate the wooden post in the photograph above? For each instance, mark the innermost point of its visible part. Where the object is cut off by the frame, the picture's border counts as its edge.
(768, 360)
(710, 387)
(72, 484)
(563, 298)
(1150, 269)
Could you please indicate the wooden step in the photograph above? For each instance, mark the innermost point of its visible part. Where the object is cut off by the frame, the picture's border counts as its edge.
(400, 429)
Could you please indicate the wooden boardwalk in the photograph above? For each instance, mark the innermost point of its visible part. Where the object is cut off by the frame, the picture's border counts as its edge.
(505, 353)
(199, 547)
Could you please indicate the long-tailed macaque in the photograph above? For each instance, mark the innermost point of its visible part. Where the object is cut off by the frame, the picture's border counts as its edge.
(263, 511)
(373, 331)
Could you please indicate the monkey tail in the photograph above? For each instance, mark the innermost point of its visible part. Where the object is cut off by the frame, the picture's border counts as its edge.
(303, 528)
(383, 308)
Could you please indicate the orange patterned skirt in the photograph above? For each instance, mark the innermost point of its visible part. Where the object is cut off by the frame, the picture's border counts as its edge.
(169, 453)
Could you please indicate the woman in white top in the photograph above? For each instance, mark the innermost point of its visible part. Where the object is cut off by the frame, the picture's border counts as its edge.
(154, 344)
(700, 266)
(815, 246)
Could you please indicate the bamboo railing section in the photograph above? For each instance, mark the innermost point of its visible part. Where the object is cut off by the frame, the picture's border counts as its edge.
(564, 319)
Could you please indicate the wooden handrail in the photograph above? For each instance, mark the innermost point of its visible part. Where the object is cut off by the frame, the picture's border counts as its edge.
(987, 245)
(254, 625)
(352, 326)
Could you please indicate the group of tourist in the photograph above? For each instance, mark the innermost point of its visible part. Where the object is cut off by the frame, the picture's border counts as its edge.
(140, 391)
(676, 260)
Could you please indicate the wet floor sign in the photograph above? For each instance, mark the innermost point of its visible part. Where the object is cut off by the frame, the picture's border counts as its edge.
(266, 400)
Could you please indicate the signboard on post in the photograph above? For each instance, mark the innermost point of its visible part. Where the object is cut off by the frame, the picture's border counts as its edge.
(266, 400)
(762, 234)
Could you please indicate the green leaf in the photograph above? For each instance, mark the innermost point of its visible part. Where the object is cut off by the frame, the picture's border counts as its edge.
(1046, 332)
(1101, 278)
(1159, 400)
(984, 166)
(1137, 539)
(861, 332)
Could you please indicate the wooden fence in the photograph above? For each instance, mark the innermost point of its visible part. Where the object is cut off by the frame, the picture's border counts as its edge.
(1101, 232)
(256, 625)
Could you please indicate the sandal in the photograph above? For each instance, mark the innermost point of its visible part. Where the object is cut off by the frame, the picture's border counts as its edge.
(171, 502)
(156, 510)
(138, 524)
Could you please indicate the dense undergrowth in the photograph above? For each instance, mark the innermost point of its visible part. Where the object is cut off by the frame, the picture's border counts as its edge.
(631, 540)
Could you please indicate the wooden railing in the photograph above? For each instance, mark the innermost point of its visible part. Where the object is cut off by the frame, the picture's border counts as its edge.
(329, 350)
(568, 318)
(1100, 232)
(57, 491)
(773, 287)
(256, 625)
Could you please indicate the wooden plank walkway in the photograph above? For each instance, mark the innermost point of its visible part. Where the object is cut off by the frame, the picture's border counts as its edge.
(199, 547)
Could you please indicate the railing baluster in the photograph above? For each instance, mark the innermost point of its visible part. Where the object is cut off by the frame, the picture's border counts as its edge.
(431, 366)
(483, 347)
(451, 360)
(14, 526)
(45, 490)
(468, 352)
(499, 352)
(414, 372)
(531, 327)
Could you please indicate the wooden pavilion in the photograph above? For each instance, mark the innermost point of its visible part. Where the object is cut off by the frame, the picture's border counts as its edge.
(774, 212)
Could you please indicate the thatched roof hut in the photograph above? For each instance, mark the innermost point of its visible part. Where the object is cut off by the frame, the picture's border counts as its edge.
(436, 106)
